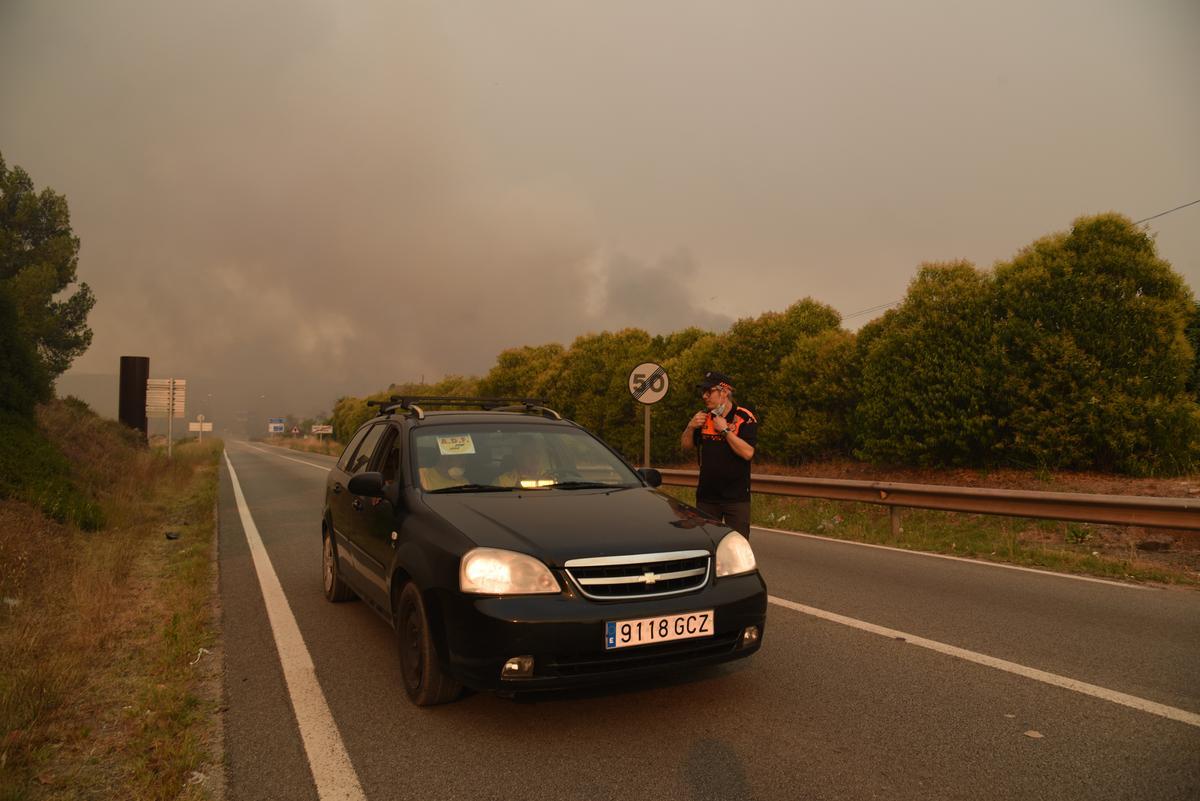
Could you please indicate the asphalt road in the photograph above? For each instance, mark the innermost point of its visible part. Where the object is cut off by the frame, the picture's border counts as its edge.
(823, 711)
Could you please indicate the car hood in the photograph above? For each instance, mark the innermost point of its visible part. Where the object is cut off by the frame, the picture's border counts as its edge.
(557, 525)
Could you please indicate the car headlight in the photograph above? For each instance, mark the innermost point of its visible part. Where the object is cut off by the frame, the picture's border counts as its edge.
(734, 555)
(492, 571)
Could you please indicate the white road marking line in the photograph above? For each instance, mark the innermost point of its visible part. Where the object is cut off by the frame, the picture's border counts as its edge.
(980, 562)
(289, 458)
(331, 768)
(1154, 708)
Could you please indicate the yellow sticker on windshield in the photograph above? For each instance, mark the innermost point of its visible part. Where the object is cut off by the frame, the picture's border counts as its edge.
(458, 445)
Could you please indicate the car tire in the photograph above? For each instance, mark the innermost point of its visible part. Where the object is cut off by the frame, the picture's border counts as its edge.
(336, 590)
(425, 683)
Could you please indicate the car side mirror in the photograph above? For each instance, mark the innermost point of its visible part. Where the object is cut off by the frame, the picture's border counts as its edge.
(368, 485)
(651, 476)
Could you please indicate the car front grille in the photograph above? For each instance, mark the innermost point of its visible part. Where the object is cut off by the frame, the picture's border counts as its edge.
(646, 575)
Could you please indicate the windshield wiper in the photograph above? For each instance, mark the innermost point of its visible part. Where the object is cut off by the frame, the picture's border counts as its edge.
(473, 488)
(573, 485)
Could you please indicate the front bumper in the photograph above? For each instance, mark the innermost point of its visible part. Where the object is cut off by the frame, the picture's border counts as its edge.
(565, 634)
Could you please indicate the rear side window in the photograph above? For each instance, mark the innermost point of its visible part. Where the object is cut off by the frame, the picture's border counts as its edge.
(348, 454)
(363, 455)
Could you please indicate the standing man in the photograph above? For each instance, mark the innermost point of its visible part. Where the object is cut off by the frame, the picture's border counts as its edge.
(725, 435)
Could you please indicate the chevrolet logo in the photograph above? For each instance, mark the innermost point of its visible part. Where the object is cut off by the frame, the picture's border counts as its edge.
(649, 577)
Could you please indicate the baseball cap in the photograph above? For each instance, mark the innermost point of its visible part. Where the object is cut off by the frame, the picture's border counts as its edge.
(714, 379)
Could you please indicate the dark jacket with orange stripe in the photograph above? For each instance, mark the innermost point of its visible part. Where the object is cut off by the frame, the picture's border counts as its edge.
(725, 476)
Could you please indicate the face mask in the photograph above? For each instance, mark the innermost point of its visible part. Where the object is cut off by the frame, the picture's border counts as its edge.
(720, 410)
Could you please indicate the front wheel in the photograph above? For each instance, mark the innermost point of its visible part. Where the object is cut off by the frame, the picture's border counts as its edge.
(425, 682)
(336, 590)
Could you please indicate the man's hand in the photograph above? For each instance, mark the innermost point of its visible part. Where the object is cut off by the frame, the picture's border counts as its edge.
(697, 421)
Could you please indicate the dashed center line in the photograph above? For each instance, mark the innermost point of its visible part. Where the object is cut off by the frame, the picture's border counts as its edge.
(325, 468)
(1154, 708)
(979, 562)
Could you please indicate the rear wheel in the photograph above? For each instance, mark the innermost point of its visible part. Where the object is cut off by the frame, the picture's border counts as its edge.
(425, 682)
(336, 590)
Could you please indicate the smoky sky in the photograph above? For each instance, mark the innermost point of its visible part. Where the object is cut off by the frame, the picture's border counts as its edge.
(295, 201)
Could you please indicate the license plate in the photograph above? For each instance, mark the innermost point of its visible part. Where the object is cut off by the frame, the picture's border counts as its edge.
(647, 630)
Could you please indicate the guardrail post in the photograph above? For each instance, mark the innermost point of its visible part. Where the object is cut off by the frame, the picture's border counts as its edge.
(894, 514)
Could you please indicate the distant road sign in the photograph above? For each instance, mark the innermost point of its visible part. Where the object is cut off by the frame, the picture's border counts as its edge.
(199, 426)
(275, 428)
(648, 383)
(295, 429)
(318, 429)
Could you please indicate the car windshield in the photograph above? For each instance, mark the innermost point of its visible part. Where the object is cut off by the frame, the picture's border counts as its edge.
(514, 456)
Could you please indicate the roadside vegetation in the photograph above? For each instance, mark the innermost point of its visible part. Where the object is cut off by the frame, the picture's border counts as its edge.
(108, 682)
(1079, 353)
(109, 687)
(326, 445)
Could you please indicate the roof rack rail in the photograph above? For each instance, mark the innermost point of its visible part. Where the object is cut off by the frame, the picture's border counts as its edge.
(408, 403)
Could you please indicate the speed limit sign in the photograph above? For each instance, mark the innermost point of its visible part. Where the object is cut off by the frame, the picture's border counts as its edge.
(648, 383)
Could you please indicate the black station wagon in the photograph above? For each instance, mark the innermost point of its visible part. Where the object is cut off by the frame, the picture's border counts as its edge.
(512, 550)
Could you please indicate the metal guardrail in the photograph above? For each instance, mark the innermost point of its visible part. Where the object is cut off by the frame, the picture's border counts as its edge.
(1118, 510)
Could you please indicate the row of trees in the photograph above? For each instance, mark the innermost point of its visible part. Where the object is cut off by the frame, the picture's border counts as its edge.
(1080, 353)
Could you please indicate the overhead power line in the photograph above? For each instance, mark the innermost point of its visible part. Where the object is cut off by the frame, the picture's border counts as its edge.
(1168, 211)
(880, 307)
(883, 306)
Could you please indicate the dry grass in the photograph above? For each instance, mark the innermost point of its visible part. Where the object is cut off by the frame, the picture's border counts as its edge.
(99, 695)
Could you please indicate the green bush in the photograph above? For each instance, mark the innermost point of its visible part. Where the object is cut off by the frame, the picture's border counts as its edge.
(929, 373)
(1192, 332)
(812, 399)
(34, 471)
(521, 372)
(1095, 363)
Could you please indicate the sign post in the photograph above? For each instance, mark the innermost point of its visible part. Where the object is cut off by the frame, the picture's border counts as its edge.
(166, 397)
(321, 430)
(200, 427)
(648, 384)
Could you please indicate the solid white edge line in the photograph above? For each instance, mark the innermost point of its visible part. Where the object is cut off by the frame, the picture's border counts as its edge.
(1154, 708)
(332, 771)
(980, 562)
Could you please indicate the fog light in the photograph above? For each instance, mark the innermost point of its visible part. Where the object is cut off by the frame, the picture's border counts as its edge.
(519, 667)
(749, 636)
